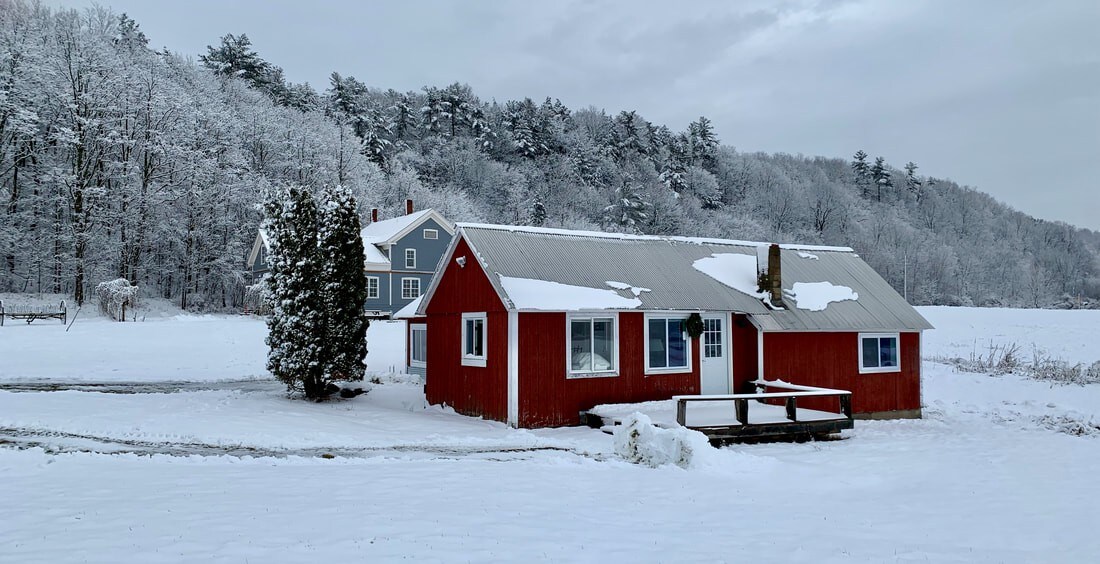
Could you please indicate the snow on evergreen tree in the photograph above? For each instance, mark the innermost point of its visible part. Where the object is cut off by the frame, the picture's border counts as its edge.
(536, 215)
(881, 177)
(345, 286)
(628, 210)
(862, 171)
(297, 325)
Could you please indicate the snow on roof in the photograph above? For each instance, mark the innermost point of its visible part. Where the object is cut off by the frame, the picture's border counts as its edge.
(527, 293)
(684, 274)
(633, 237)
(382, 232)
(264, 238)
(816, 296)
(409, 311)
(734, 270)
(372, 256)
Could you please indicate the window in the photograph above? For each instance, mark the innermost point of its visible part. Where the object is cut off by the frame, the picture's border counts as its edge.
(372, 287)
(592, 347)
(418, 344)
(410, 288)
(473, 339)
(410, 258)
(431, 234)
(712, 338)
(667, 346)
(878, 353)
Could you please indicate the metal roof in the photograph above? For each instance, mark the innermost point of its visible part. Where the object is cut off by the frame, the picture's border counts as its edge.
(664, 265)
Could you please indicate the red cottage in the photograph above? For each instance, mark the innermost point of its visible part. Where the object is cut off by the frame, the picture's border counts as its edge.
(533, 326)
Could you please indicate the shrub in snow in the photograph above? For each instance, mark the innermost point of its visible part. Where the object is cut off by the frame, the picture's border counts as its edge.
(115, 296)
(637, 440)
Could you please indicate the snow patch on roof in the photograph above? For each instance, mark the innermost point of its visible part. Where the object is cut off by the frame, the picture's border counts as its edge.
(409, 311)
(636, 290)
(816, 296)
(373, 256)
(632, 237)
(382, 231)
(808, 256)
(527, 293)
(731, 269)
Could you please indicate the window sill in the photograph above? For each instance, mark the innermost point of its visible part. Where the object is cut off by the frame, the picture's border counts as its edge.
(587, 375)
(473, 361)
(662, 371)
(887, 370)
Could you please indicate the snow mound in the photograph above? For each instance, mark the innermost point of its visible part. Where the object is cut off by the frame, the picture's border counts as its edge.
(816, 296)
(637, 440)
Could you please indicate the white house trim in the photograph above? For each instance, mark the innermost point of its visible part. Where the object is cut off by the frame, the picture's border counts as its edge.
(513, 367)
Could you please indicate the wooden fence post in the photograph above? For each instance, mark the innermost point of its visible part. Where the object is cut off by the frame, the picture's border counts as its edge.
(742, 408)
(846, 405)
(792, 408)
(681, 412)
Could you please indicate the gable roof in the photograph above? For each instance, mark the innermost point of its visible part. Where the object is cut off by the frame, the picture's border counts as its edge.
(389, 231)
(663, 273)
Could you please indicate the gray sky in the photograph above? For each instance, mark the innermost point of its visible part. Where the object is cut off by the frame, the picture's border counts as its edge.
(1003, 96)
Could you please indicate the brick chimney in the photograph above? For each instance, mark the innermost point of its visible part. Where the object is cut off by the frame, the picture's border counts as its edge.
(770, 273)
(374, 215)
(408, 207)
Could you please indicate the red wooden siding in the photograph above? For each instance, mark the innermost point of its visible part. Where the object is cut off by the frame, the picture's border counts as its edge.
(743, 348)
(547, 398)
(471, 390)
(831, 360)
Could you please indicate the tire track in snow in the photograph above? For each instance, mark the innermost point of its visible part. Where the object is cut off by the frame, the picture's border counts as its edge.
(168, 387)
(57, 442)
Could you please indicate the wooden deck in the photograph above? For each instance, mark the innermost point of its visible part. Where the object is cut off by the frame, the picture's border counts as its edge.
(740, 417)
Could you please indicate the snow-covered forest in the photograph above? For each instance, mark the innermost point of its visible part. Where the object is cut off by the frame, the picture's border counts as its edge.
(118, 160)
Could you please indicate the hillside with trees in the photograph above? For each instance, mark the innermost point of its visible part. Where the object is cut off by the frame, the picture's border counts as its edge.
(118, 160)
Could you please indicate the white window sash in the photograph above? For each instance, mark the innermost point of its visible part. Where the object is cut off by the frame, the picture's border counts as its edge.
(688, 367)
(470, 320)
(878, 369)
(614, 370)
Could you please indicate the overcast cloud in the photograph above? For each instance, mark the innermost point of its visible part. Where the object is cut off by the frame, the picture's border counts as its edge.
(1001, 96)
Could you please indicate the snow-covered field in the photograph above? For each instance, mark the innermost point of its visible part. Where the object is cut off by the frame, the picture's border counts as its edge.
(1002, 469)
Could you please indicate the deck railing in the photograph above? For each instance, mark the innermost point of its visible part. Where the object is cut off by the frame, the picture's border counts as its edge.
(790, 399)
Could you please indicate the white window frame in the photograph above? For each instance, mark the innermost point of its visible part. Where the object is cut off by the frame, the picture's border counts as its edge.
(410, 257)
(431, 233)
(569, 373)
(469, 359)
(687, 348)
(879, 369)
(405, 295)
(413, 328)
(377, 287)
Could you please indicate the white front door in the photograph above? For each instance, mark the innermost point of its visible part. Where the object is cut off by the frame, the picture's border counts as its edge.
(715, 372)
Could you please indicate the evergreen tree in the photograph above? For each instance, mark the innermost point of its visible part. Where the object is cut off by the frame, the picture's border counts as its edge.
(536, 215)
(628, 210)
(703, 144)
(881, 177)
(862, 171)
(912, 183)
(345, 286)
(296, 327)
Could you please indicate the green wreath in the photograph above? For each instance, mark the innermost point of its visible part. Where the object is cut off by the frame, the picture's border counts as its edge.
(694, 325)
